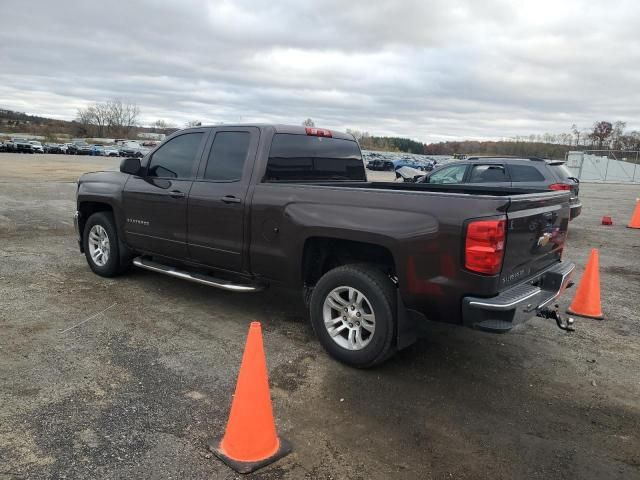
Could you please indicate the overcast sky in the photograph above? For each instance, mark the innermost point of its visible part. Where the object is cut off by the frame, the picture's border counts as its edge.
(428, 69)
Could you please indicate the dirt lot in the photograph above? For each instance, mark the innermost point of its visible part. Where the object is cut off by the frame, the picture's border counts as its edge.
(135, 391)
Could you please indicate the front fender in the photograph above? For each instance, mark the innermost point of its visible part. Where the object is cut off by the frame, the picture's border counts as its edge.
(102, 188)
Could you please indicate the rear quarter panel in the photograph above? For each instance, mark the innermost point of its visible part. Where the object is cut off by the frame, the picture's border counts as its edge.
(422, 230)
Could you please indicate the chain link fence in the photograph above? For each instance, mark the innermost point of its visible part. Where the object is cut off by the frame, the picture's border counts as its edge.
(614, 166)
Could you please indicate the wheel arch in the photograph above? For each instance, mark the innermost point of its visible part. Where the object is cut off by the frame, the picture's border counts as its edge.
(321, 254)
(88, 208)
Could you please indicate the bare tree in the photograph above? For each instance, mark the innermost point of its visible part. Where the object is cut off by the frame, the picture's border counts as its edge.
(617, 132)
(108, 118)
(308, 123)
(102, 115)
(85, 117)
(193, 123)
(122, 117)
(576, 133)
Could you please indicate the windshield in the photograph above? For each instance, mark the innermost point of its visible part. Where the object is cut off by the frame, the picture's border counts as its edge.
(450, 174)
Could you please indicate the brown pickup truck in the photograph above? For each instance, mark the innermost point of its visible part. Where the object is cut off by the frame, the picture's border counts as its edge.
(244, 207)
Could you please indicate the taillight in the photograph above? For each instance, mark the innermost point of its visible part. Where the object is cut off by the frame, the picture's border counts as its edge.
(318, 132)
(484, 248)
(559, 186)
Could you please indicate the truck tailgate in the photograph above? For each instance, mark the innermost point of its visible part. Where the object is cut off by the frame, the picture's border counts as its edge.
(536, 232)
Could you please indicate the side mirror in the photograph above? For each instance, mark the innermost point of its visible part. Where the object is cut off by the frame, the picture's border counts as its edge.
(131, 166)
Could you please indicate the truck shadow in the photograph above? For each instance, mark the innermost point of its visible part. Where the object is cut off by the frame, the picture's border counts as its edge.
(468, 402)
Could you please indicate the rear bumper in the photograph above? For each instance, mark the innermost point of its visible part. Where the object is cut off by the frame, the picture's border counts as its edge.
(518, 304)
(576, 209)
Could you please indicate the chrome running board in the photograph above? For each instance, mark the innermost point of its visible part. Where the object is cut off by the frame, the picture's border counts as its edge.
(194, 277)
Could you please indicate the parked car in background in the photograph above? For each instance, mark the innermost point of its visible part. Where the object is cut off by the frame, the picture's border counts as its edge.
(19, 145)
(37, 146)
(380, 165)
(133, 151)
(111, 152)
(82, 148)
(510, 172)
(97, 150)
(53, 148)
(430, 164)
(409, 175)
(409, 162)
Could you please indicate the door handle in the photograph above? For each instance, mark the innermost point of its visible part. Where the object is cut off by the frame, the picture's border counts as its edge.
(176, 194)
(231, 199)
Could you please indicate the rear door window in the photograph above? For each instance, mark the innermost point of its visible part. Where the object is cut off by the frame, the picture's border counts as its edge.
(492, 173)
(311, 158)
(227, 156)
(525, 173)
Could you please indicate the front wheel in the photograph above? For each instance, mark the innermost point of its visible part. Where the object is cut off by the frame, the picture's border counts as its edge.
(353, 312)
(101, 247)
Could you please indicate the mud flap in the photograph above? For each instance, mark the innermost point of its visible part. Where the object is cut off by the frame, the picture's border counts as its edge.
(407, 328)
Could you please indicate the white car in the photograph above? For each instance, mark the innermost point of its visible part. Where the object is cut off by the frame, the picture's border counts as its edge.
(111, 152)
(36, 146)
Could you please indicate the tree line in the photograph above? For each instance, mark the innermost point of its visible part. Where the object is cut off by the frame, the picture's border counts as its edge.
(118, 119)
(388, 144)
(603, 135)
(112, 119)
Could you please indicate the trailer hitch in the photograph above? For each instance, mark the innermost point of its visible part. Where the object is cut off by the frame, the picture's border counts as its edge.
(554, 314)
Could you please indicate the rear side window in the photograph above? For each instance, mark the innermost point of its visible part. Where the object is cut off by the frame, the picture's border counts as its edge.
(488, 174)
(227, 156)
(525, 173)
(562, 171)
(311, 158)
(175, 158)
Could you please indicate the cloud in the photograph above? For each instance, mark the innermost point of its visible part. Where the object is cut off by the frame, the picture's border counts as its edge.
(429, 70)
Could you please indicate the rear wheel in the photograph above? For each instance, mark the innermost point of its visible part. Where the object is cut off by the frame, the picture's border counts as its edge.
(353, 312)
(101, 246)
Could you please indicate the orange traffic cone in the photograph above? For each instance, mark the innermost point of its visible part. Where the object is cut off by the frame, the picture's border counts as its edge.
(634, 222)
(586, 303)
(250, 440)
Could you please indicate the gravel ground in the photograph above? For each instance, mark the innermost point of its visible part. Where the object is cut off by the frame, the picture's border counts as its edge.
(136, 391)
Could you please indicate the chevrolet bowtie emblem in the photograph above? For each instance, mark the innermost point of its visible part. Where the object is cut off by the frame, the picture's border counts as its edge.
(544, 239)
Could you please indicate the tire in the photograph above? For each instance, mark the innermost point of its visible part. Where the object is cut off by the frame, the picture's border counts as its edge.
(104, 227)
(379, 300)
